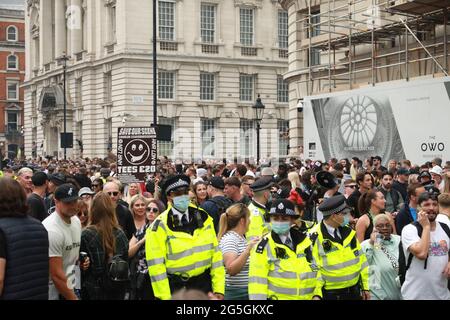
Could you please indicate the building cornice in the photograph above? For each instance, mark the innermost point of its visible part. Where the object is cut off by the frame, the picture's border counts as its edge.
(261, 64)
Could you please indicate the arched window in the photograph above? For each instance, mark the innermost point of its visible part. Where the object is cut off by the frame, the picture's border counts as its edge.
(12, 62)
(11, 33)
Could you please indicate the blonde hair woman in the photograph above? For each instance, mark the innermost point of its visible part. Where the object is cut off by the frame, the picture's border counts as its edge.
(236, 251)
(132, 190)
(102, 240)
(294, 178)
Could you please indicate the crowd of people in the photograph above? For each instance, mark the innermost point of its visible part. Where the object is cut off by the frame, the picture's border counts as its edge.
(302, 230)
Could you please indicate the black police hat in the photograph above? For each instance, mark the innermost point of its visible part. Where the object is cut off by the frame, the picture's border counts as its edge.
(283, 193)
(424, 174)
(176, 182)
(333, 205)
(262, 183)
(283, 207)
(66, 193)
(217, 182)
(326, 179)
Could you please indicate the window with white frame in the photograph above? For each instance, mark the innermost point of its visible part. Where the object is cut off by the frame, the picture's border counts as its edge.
(12, 62)
(108, 87)
(208, 22)
(315, 56)
(207, 85)
(282, 29)
(314, 27)
(283, 130)
(246, 87)
(165, 148)
(11, 33)
(13, 120)
(246, 26)
(208, 131)
(282, 90)
(166, 11)
(247, 128)
(13, 90)
(166, 84)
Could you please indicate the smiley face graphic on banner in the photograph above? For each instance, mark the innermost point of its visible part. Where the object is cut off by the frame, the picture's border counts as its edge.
(137, 151)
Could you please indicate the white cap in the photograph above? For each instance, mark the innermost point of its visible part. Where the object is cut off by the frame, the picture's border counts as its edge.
(436, 170)
(250, 173)
(201, 172)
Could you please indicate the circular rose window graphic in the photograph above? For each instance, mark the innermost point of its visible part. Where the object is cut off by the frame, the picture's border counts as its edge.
(358, 122)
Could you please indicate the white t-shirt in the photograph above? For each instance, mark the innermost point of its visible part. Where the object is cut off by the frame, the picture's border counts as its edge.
(443, 218)
(429, 283)
(64, 241)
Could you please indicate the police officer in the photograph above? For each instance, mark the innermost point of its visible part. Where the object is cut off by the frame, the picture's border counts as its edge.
(282, 267)
(343, 266)
(259, 218)
(181, 246)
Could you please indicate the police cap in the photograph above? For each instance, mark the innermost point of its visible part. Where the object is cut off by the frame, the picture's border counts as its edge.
(333, 205)
(283, 207)
(262, 183)
(176, 182)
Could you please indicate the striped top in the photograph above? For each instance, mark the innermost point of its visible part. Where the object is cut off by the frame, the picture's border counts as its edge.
(233, 242)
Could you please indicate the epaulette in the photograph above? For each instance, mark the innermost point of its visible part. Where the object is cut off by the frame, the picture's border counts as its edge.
(156, 225)
(261, 245)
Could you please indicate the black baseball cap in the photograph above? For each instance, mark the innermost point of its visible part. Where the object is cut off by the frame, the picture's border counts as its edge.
(217, 182)
(66, 193)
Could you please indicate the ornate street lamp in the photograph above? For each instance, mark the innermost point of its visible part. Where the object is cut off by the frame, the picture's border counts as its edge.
(259, 113)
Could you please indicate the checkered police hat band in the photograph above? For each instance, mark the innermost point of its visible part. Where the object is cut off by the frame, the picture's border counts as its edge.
(178, 184)
(287, 212)
(335, 210)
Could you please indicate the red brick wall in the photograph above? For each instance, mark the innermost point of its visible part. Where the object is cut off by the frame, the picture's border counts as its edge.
(10, 74)
(5, 24)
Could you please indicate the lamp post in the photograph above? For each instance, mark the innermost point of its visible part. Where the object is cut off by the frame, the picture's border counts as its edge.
(64, 59)
(155, 68)
(259, 113)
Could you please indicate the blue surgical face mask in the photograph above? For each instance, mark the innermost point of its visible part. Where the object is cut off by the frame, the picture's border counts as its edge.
(281, 228)
(346, 220)
(181, 203)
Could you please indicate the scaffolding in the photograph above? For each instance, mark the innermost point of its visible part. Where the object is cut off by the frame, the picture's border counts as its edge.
(367, 36)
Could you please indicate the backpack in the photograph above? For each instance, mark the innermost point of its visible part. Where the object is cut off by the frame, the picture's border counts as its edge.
(403, 264)
(117, 275)
(222, 205)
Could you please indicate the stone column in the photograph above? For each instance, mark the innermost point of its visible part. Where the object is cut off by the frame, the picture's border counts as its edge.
(76, 31)
(45, 29)
(60, 28)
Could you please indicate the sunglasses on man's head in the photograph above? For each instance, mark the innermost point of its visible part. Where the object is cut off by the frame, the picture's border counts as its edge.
(114, 193)
(154, 210)
(353, 186)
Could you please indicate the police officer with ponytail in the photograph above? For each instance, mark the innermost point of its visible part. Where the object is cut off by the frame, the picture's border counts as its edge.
(282, 267)
(343, 265)
(181, 246)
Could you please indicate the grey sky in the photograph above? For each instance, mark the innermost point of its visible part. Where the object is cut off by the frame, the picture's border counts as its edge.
(17, 4)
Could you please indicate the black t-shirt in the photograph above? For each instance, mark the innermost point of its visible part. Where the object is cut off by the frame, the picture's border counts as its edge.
(402, 188)
(2, 245)
(125, 219)
(36, 207)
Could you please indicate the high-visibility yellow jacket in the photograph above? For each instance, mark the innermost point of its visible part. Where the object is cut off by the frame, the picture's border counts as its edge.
(1, 173)
(341, 265)
(180, 253)
(279, 273)
(258, 226)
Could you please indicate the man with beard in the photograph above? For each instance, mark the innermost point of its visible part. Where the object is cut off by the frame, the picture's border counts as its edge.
(394, 200)
(428, 242)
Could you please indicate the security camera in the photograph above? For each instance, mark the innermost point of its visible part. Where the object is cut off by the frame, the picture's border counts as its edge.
(124, 119)
(300, 105)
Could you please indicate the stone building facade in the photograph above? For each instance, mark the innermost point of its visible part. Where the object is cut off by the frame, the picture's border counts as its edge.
(214, 58)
